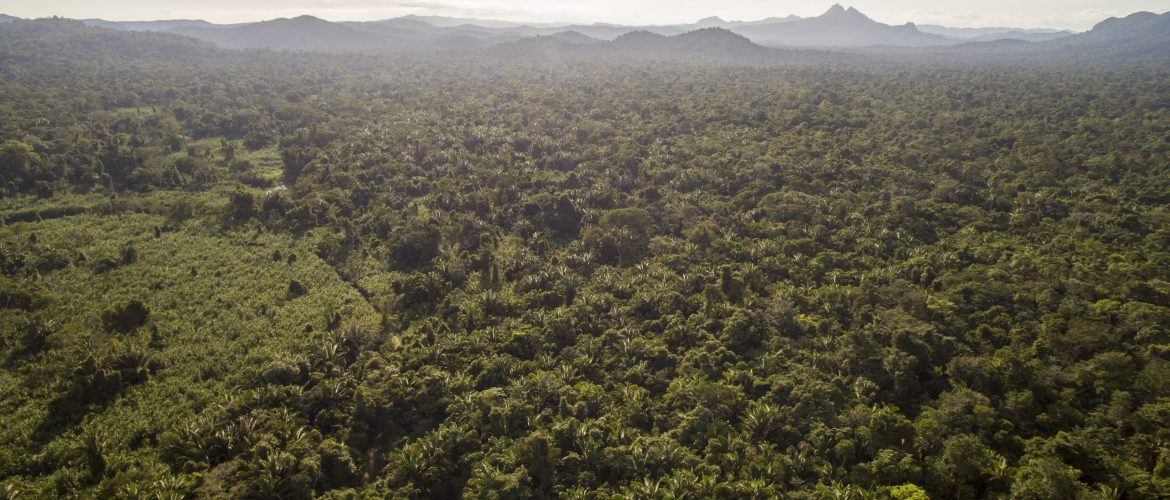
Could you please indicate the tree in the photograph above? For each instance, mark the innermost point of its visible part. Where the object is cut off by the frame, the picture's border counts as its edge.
(962, 467)
(1046, 478)
(731, 287)
(565, 220)
(242, 206)
(621, 237)
(15, 159)
(416, 245)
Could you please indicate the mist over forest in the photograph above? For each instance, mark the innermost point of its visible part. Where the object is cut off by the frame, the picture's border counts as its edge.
(430, 257)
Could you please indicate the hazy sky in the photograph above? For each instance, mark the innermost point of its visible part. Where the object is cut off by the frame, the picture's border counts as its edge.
(1074, 14)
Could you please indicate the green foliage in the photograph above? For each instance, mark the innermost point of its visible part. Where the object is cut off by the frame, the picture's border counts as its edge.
(1046, 478)
(908, 492)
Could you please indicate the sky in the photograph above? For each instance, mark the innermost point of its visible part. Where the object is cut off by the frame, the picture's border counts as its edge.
(1064, 14)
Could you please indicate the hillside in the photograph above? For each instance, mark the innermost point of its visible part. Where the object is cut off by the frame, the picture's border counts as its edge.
(1139, 36)
(1138, 39)
(63, 44)
(1140, 25)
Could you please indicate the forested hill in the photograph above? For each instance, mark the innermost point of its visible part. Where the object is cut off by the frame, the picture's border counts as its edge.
(53, 42)
(709, 44)
(270, 274)
(300, 33)
(1142, 36)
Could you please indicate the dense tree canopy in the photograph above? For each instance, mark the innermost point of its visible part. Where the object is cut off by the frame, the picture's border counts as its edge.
(276, 275)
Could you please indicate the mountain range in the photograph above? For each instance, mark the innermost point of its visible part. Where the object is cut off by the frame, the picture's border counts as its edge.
(1140, 35)
(838, 27)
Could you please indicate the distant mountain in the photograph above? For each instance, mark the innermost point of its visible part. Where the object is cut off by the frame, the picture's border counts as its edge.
(770, 20)
(609, 31)
(418, 36)
(1143, 36)
(1026, 36)
(985, 33)
(640, 40)
(65, 44)
(451, 22)
(711, 22)
(575, 38)
(717, 22)
(305, 33)
(993, 34)
(393, 31)
(707, 44)
(599, 31)
(1140, 26)
(839, 27)
(4, 18)
(714, 41)
(704, 46)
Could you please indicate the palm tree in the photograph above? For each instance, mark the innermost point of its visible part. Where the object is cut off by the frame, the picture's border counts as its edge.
(761, 420)
(92, 450)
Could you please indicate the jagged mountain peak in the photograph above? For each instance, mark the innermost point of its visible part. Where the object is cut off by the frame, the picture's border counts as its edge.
(838, 27)
(837, 12)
